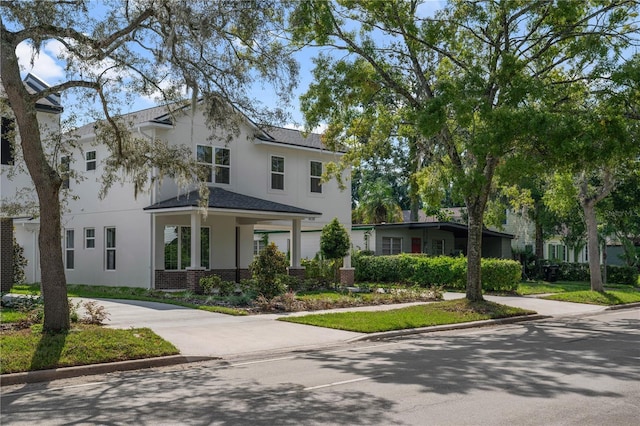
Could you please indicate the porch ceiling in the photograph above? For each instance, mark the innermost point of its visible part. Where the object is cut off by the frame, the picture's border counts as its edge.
(221, 199)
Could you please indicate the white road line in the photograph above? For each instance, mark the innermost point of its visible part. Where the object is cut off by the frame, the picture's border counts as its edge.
(261, 361)
(344, 382)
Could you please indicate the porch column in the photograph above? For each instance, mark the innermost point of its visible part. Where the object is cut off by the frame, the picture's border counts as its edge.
(195, 240)
(295, 243)
(295, 269)
(347, 272)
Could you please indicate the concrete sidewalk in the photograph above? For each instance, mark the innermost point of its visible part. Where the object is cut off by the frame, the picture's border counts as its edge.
(201, 335)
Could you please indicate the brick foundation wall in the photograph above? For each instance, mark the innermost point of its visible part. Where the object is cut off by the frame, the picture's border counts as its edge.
(347, 276)
(190, 279)
(6, 254)
(296, 272)
(170, 280)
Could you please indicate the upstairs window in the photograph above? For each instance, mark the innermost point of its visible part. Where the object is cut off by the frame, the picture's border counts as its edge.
(316, 177)
(215, 162)
(277, 172)
(204, 156)
(90, 158)
(8, 137)
(222, 165)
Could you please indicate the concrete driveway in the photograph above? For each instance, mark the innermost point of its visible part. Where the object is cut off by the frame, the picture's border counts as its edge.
(200, 333)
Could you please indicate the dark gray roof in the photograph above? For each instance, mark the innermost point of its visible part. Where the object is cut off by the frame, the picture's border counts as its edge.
(459, 230)
(49, 103)
(222, 199)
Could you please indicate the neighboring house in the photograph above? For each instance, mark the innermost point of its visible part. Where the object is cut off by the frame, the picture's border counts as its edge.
(16, 186)
(268, 179)
(433, 238)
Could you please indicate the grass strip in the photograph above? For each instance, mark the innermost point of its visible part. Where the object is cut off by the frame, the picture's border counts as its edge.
(613, 297)
(439, 313)
(540, 287)
(30, 349)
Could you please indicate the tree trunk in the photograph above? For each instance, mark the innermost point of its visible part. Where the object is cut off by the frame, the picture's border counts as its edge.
(414, 196)
(474, 252)
(47, 183)
(589, 209)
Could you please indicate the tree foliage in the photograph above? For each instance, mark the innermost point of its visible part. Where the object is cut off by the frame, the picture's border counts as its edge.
(115, 52)
(478, 83)
(334, 240)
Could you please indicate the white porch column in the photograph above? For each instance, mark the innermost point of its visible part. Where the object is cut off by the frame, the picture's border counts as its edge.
(195, 240)
(296, 240)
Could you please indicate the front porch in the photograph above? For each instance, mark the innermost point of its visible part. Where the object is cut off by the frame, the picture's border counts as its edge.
(223, 241)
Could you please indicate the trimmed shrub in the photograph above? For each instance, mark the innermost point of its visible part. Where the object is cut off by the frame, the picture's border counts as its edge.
(622, 274)
(212, 283)
(500, 274)
(573, 271)
(269, 263)
(497, 274)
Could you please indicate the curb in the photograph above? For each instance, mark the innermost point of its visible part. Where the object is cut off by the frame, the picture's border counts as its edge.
(447, 327)
(623, 306)
(86, 370)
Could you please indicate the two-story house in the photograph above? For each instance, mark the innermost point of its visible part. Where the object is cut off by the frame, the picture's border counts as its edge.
(164, 238)
(17, 196)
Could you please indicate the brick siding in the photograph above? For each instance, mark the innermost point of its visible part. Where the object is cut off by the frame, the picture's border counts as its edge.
(6, 254)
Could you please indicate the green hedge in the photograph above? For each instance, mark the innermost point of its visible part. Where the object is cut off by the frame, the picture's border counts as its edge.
(580, 272)
(497, 274)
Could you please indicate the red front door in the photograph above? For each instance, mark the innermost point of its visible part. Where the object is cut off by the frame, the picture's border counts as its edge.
(416, 245)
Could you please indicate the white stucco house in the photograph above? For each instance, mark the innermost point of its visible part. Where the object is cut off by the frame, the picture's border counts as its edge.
(260, 178)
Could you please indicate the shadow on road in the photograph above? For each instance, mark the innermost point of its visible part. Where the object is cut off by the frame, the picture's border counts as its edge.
(528, 360)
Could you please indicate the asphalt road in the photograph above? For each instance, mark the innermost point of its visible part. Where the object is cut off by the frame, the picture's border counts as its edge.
(578, 370)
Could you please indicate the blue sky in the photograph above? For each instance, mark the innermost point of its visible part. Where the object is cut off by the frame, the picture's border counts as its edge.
(51, 70)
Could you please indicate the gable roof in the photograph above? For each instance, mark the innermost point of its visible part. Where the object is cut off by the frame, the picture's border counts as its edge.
(162, 115)
(222, 199)
(49, 103)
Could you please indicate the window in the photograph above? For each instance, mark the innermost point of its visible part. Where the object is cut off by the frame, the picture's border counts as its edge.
(277, 172)
(177, 247)
(204, 156)
(64, 171)
(89, 238)
(110, 249)
(557, 252)
(90, 157)
(222, 165)
(391, 245)
(216, 163)
(69, 249)
(316, 176)
(8, 137)
(258, 246)
(437, 247)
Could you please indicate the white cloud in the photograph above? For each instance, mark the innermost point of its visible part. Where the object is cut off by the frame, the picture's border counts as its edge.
(44, 65)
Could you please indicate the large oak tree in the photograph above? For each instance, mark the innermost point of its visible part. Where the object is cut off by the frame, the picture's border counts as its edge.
(114, 52)
(480, 79)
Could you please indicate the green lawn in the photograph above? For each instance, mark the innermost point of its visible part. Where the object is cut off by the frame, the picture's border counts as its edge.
(541, 287)
(438, 313)
(611, 297)
(30, 349)
(137, 293)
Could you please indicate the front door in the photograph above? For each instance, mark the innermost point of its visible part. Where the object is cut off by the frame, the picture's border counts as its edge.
(416, 245)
